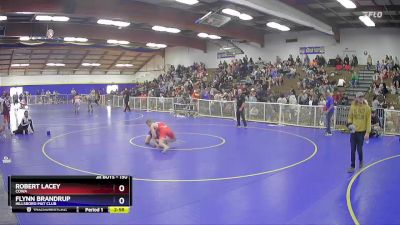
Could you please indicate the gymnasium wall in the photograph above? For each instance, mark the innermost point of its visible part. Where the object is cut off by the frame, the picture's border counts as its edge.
(376, 41)
(83, 83)
(151, 70)
(64, 83)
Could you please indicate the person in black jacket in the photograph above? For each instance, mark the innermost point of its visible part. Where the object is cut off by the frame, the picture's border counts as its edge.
(126, 100)
(240, 100)
(24, 125)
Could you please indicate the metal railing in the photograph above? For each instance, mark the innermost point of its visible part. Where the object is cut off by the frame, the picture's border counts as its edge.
(285, 114)
(53, 99)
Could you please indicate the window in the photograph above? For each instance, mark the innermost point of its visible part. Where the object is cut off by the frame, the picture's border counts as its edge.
(111, 88)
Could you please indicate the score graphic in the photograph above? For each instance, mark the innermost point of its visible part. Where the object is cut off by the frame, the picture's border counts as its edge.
(79, 194)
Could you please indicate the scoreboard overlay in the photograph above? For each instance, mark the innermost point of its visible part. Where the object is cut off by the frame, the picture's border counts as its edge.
(70, 194)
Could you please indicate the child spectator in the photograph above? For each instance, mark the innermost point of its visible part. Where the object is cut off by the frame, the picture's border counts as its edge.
(354, 79)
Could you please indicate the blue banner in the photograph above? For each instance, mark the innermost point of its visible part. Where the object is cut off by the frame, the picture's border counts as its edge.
(312, 50)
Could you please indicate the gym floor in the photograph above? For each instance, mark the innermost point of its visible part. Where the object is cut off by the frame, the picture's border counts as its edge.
(214, 174)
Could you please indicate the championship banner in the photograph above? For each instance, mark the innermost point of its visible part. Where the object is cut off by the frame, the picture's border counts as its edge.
(225, 54)
(312, 50)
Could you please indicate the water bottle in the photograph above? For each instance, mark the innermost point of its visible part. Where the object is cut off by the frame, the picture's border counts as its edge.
(6, 160)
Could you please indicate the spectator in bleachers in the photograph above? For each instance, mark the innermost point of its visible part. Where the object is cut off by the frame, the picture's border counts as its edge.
(298, 61)
(282, 99)
(306, 61)
(354, 61)
(303, 98)
(396, 82)
(354, 79)
(15, 98)
(375, 103)
(346, 60)
(383, 89)
(378, 67)
(369, 62)
(292, 97)
(375, 124)
(396, 64)
(337, 97)
(338, 63)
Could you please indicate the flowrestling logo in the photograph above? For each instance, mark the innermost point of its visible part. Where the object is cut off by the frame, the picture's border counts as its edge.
(6, 160)
(374, 14)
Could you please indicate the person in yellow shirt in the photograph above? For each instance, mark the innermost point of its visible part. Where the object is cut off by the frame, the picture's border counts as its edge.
(359, 124)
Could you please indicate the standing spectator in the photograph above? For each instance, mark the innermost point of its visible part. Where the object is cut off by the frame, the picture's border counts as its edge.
(396, 81)
(359, 123)
(354, 79)
(303, 98)
(346, 60)
(375, 124)
(396, 64)
(329, 107)
(354, 61)
(369, 62)
(126, 100)
(306, 61)
(240, 100)
(282, 99)
(6, 110)
(375, 103)
(15, 98)
(383, 89)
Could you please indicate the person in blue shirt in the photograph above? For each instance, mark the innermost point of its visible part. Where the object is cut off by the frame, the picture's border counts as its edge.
(329, 109)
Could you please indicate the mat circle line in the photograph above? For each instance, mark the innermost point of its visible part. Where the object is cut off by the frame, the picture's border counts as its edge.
(350, 185)
(190, 180)
(131, 141)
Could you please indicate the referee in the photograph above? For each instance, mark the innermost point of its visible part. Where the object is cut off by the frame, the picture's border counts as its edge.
(126, 100)
(240, 99)
(359, 123)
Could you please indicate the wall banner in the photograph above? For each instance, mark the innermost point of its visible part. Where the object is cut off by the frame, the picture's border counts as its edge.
(312, 50)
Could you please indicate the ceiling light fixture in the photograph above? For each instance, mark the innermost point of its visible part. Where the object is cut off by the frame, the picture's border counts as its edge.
(188, 2)
(123, 65)
(203, 35)
(20, 65)
(231, 12)
(24, 38)
(367, 21)
(154, 45)
(211, 36)
(244, 16)
(2, 18)
(348, 4)
(278, 26)
(166, 29)
(75, 39)
(117, 42)
(91, 64)
(55, 64)
(214, 37)
(52, 18)
(116, 23)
